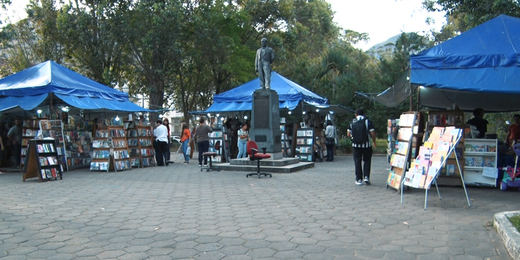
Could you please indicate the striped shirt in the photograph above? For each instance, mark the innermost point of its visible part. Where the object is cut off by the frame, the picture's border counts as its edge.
(370, 128)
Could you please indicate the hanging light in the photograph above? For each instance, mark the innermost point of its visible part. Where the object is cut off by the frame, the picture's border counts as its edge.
(304, 112)
(117, 118)
(65, 109)
(317, 110)
(245, 117)
(290, 112)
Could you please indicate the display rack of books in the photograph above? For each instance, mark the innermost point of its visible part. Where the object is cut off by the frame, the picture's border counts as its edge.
(110, 150)
(392, 137)
(77, 146)
(29, 131)
(449, 118)
(215, 141)
(399, 160)
(286, 139)
(304, 144)
(433, 155)
(101, 146)
(54, 129)
(42, 161)
(133, 148)
(146, 151)
(480, 168)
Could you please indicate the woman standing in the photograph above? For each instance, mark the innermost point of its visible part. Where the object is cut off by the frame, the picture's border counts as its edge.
(243, 137)
(185, 141)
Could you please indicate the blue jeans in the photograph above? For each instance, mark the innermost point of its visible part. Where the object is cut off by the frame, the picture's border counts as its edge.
(242, 149)
(185, 146)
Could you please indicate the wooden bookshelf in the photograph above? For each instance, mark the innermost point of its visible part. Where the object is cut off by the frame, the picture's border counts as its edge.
(400, 159)
(77, 145)
(54, 129)
(145, 145)
(110, 149)
(29, 131)
(42, 161)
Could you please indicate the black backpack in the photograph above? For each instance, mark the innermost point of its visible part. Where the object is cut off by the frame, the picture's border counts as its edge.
(359, 131)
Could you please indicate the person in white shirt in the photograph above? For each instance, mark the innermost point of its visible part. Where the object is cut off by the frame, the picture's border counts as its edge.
(161, 143)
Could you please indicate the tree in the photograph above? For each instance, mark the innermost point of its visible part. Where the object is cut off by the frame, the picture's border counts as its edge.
(471, 13)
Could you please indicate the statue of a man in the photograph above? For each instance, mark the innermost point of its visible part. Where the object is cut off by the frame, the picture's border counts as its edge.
(264, 58)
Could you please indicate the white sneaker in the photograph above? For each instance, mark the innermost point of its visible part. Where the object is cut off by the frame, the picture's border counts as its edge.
(359, 183)
(367, 181)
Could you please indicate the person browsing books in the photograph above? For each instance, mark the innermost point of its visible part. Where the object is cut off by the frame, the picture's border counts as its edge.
(161, 143)
(330, 140)
(479, 122)
(15, 135)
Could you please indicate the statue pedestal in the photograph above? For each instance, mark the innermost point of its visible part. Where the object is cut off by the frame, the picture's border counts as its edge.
(265, 122)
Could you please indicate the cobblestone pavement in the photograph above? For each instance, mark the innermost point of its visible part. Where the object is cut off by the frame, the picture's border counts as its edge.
(179, 212)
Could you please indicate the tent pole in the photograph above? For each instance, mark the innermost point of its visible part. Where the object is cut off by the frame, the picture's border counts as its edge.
(411, 98)
(418, 97)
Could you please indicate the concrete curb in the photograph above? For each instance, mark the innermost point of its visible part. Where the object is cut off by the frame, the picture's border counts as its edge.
(508, 232)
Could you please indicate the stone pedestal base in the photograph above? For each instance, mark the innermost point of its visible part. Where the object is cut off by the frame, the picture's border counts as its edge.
(265, 122)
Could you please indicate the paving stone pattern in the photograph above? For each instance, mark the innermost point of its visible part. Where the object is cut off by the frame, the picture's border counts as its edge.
(179, 212)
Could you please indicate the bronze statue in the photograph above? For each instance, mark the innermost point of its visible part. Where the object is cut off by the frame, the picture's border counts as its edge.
(264, 58)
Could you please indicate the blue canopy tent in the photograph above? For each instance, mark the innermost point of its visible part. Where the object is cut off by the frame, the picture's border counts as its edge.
(479, 68)
(29, 88)
(290, 96)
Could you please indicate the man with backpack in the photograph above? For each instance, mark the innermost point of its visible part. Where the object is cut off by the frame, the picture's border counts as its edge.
(361, 131)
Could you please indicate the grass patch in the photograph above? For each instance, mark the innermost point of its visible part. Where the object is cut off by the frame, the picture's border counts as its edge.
(515, 220)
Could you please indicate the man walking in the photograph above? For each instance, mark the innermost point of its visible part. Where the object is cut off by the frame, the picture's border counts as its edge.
(263, 60)
(161, 143)
(202, 138)
(361, 131)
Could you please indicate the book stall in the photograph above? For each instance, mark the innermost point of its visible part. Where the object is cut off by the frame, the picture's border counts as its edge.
(53, 143)
(478, 157)
(69, 105)
(433, 154)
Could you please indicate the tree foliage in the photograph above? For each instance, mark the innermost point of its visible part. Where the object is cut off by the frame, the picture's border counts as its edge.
(180, 53)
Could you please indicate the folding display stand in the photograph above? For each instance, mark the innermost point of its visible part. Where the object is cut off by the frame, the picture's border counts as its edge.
(434, 175)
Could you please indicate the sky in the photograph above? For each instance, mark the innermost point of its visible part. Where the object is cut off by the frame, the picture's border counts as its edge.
(381, 19)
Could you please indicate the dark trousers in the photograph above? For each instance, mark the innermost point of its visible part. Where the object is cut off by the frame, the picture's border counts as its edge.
(203, 147)
(160, 151)
(365, 155)
(168, 153)
(17, 150)
(330, 149)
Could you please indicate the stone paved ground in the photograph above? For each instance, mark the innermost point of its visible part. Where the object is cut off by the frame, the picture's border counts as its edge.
(178, 212)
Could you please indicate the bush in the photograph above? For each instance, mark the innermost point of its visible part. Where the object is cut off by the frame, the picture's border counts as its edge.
(344, 145)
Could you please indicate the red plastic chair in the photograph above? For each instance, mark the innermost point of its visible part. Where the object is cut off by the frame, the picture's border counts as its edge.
(252, 151)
